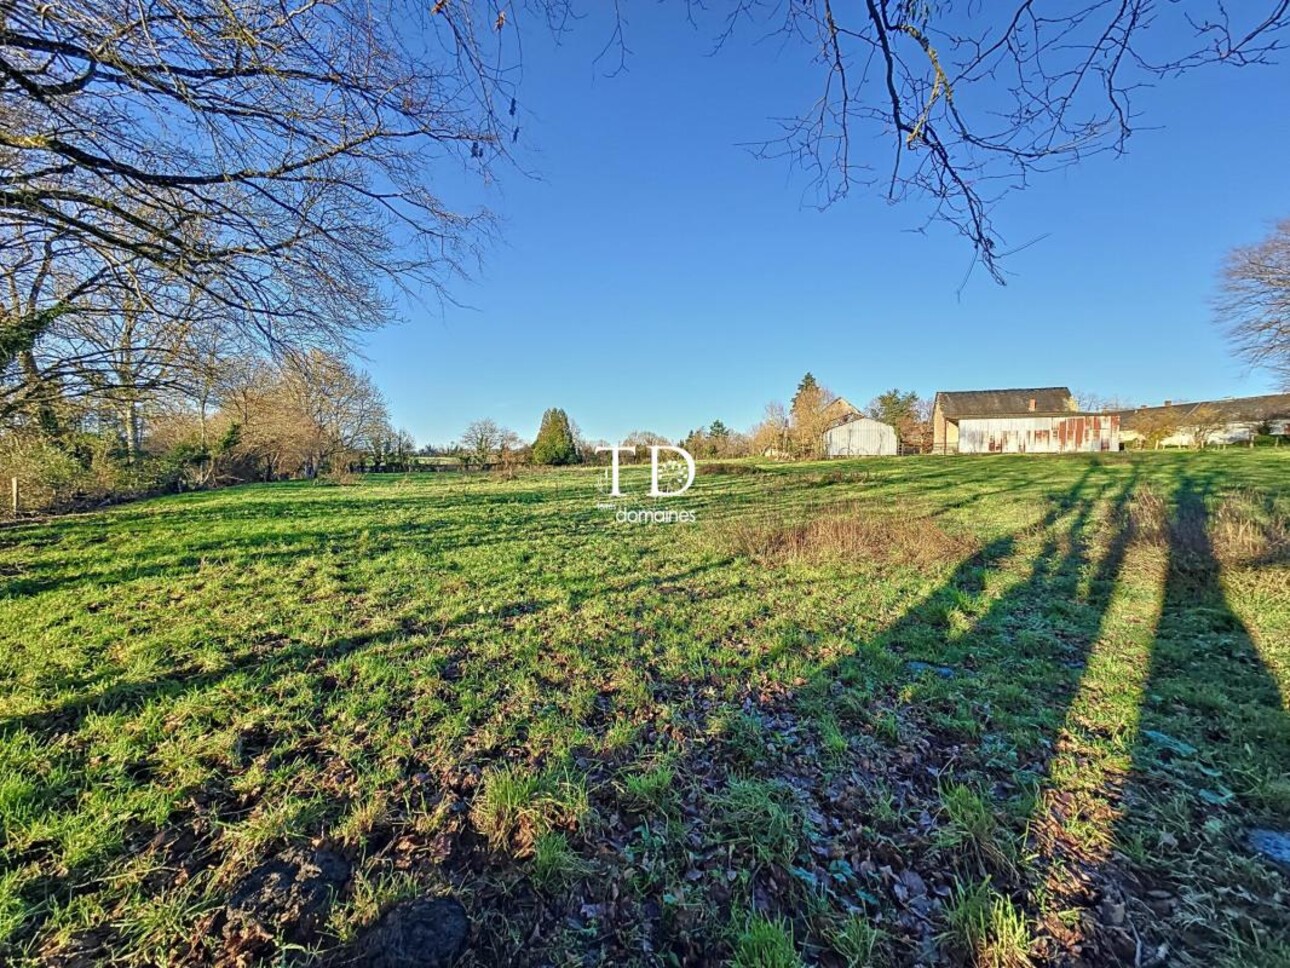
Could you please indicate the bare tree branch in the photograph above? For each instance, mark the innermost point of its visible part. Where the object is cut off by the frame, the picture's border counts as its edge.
(971, 100)
(1254, 306)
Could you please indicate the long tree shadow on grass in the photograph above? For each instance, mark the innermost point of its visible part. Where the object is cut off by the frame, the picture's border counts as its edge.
(822, 798)
(1210, 763)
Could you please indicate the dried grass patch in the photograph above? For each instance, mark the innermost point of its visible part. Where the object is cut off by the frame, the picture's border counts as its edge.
(728, 468)
(1240, 529)
(1247, 531)
(845, 534)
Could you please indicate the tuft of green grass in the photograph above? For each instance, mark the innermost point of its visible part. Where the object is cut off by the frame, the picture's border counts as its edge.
(555, 863)
(158, 929)
(859, 941)
(369, 894)
(516, 805)
(970, 822)
(887, 727)
(833, 741)
(651, 789)
(987, 927)
(766, 943)
(760, 815)
(742, 735)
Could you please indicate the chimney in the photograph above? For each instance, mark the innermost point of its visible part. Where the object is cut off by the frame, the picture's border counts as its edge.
(1032, 404)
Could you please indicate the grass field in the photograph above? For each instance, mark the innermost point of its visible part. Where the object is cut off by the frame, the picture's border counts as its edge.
(926, 711)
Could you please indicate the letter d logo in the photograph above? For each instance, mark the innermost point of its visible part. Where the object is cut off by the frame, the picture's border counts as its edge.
(653, 480)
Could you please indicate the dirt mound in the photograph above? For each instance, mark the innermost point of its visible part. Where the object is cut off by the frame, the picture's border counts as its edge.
(285, 899)
(421, 933)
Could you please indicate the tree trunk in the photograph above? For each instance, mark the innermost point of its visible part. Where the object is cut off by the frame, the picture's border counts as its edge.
(129, 417)
(46, 416)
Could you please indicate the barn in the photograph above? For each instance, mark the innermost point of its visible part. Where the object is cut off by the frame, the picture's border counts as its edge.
(1231, 421)
(861, 437)
(1025, 420)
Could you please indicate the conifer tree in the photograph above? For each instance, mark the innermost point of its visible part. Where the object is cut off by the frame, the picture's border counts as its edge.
(807, 388)
(554, 444)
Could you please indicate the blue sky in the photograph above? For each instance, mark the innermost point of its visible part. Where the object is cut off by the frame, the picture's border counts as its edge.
(653, 275)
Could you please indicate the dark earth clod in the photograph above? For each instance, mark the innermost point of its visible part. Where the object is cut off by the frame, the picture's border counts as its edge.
(286, 897)
(421, 933)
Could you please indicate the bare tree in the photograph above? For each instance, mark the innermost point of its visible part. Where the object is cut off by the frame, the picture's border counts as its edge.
(769, 438)
(1255, 303)
(1088, 401)
(205, 365)
(311, 413)
(1156, 425)
(245, 393)
(642, 440)
(273, 157)
(482, 439)
(405, 445)
(1207, 425)
(336, 408)
(512, 451)
(646, 438)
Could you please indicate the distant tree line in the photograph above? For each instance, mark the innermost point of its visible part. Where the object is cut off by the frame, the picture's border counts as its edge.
(171, 424)
(786, 432)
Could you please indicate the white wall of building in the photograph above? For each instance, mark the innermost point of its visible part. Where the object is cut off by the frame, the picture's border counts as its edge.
(1236, 432)
(861, 437)
(1082, 433)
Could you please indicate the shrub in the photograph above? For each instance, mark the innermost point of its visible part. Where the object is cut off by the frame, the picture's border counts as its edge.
(1245, 530)
(47, 473)
(78, 470)
(727, 467)
(1241, 528)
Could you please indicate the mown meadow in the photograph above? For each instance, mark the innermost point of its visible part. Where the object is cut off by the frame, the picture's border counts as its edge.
(997, 711)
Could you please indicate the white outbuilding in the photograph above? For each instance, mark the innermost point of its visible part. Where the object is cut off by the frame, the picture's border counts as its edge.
(861, 437)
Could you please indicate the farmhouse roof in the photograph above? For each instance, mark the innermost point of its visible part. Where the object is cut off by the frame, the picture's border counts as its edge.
(1011, 402)
(839, 410)
(1269, 406)
(840, 405)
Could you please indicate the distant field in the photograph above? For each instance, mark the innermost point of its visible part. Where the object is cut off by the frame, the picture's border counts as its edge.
(917, 711)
